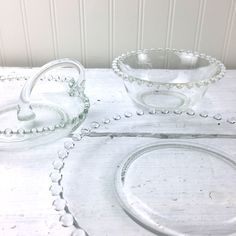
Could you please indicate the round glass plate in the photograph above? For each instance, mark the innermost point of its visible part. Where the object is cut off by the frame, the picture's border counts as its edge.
(179, 188)
(170, 177)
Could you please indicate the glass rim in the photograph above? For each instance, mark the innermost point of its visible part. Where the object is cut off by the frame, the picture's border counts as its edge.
(205, 82)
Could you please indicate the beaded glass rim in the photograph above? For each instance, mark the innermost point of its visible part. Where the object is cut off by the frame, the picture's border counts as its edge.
(219, 75)
(75, 121)
(67, 219)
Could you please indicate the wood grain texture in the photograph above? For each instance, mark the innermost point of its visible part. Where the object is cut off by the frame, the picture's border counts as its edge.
(214, 27)
(25, 200)
(125, 25)
(94, 32)
(67, 17)
(185, 17)
(97, 29)
(40, 30)
(12, 33)
(155, 23)
(229, 50)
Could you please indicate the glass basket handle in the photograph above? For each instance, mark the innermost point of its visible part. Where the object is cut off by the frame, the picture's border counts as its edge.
(24, 110)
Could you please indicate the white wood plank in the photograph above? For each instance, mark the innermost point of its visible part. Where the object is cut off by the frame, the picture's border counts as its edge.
(83, 36)
(68, 24)
(2, 54)
(26, 32)
(54, 28)
(230, 54)
(111, 30)
(97, 32)
(185, 24)
(170, 24)
(40, 31)
(12, 33)
(214, 27)
(27, 205)
(125, 25)
(155, 23)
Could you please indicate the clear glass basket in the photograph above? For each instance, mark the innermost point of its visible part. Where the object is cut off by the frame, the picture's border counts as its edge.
(45, 107)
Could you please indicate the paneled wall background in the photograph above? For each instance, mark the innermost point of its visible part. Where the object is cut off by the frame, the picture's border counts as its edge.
(33, 32)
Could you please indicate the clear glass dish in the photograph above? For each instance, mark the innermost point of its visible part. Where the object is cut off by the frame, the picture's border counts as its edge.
(167, 78)
(174, 174)
(43, 107)
(192, 185)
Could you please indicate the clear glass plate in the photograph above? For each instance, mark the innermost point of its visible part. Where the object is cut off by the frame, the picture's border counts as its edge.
(179, 188)
(174, 173)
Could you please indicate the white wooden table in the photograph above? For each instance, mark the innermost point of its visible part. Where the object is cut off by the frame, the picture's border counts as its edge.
(25, 200)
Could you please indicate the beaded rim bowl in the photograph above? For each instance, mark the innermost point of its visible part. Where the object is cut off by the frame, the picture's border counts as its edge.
(126, 77)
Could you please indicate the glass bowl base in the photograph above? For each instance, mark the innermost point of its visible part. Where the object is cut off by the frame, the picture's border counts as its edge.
(163, 100)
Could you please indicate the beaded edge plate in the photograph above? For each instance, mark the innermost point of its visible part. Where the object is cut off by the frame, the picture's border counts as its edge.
(60, 204)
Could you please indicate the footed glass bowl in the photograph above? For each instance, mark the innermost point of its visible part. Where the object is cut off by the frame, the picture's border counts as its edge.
(167, 78)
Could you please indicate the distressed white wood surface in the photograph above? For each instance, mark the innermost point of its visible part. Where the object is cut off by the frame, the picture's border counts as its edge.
(25, 200)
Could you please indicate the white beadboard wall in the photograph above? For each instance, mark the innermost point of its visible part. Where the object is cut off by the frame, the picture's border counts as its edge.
(95, 31)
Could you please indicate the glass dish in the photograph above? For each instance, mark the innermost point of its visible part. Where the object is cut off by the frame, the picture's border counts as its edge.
(192, 185)
(46, 107)
(170, 176)
(167, 78)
